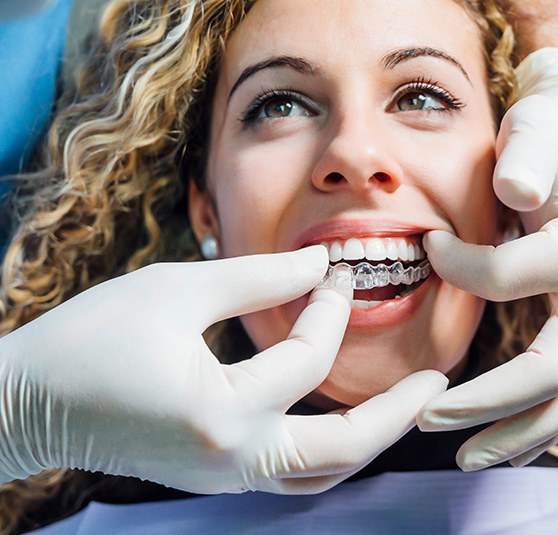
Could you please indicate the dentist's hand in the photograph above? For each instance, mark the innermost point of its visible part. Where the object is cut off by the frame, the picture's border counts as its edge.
(120, 380)
(527, 168)
(523, 393)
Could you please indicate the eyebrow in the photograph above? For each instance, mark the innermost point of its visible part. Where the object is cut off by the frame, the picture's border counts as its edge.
(298, 64)
(391, 60)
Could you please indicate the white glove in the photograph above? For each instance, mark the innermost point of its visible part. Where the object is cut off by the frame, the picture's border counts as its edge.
(527, 144)
(120, 380)
(521, 394)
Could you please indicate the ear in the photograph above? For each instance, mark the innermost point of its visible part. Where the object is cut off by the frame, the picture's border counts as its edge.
(203, 215)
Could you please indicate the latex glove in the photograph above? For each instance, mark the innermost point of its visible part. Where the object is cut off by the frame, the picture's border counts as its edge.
(120, 380)
(525, 175)
(521, 394)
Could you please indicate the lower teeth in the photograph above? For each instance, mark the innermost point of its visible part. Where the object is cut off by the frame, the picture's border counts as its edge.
(359, 303)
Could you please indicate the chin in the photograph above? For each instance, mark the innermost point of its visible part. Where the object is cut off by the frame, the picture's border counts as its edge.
(371, 362)
(348, 386)
(432, 328)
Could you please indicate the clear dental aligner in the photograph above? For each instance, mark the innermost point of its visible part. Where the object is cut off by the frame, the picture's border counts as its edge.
(365, 276)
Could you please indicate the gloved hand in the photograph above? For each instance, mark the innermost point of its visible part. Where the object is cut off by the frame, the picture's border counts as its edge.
(523, 393)
(120, 380)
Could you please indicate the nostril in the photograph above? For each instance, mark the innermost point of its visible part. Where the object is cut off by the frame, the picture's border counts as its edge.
(381, 177)
(334, 178)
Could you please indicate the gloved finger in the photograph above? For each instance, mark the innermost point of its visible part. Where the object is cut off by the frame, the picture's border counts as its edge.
(305, 484)
(529, 456)
(204, 293)
(316, 484)
(527, 380)
(334, 444)
(527, 157)
(520, 268)
(287, 371)
(510, 437)
(241, 285)
(312, 485)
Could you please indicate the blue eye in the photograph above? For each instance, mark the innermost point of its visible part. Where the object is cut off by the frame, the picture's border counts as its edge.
(277, 105)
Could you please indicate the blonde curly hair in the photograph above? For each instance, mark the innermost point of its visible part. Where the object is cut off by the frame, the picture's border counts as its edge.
(109, 195)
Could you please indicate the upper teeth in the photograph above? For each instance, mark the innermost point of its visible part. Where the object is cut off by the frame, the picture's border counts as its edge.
(375, 249)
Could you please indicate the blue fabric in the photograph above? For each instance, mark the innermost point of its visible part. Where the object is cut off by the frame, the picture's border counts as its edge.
(30, 51)
(499, 501)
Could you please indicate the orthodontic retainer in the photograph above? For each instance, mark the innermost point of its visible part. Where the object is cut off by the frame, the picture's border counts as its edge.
(365, 276)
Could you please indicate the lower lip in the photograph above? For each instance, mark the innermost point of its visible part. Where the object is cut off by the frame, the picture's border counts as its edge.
(393, 311)
(388, 314)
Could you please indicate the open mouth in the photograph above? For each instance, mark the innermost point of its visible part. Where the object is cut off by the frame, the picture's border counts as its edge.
(381, 269)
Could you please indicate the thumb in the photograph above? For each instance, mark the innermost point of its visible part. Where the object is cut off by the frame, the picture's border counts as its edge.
(515, 269)
(245, 284)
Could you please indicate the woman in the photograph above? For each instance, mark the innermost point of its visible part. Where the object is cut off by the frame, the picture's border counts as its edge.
(267, 139)
(234, 122)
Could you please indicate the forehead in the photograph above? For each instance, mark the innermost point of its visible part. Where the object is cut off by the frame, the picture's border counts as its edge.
(350, 31)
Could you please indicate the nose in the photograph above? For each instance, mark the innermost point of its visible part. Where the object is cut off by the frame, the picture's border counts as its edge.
(357, 157)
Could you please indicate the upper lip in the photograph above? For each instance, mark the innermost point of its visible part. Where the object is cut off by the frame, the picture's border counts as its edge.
(356, 228)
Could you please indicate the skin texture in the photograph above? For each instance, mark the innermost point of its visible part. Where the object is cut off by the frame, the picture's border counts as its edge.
(348, 162)
(535, 23)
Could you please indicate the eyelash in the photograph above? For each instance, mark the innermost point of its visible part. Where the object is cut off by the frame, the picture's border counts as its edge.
(251, 114)
(421, 85)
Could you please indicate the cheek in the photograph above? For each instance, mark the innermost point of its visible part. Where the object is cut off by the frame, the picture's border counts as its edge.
(461, 187)
(255, 189)
(454, 323)
(476, 210)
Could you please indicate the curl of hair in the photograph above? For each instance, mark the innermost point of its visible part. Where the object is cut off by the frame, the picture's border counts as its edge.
(499, 49)
(110, 195)
(109, 177)
(508, 328)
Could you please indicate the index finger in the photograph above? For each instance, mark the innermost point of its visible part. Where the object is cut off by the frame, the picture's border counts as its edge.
(333, 443)
(527, 380)
(289, 370)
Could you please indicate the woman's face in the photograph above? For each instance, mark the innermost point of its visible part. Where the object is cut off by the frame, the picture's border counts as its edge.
(367, 122)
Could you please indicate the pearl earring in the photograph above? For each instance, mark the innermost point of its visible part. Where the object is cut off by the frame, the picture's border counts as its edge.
(209, 248)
